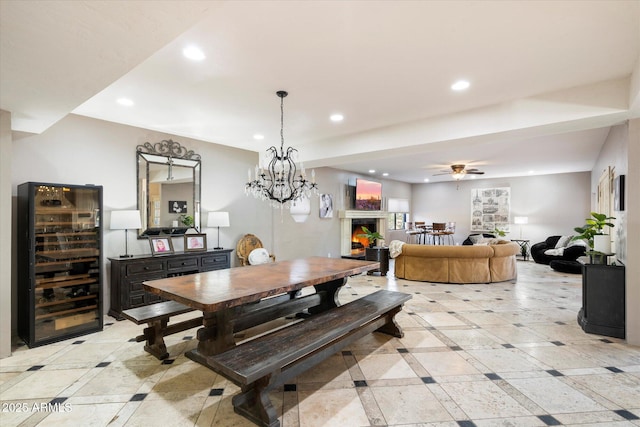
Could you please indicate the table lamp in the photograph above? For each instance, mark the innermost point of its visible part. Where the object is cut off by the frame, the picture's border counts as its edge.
(125, 220)
(521, 220)
(218, 219)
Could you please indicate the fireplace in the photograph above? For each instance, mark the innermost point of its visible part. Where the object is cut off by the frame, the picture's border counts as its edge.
(351, 225)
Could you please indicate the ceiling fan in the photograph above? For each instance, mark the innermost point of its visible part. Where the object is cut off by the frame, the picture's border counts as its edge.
(459, 171)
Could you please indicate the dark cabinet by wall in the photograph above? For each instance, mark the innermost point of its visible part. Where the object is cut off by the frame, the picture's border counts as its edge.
(127, 274)
(603, 300)
(59, 261)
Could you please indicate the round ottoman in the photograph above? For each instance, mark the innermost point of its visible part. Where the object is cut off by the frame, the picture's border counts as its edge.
(562, 266)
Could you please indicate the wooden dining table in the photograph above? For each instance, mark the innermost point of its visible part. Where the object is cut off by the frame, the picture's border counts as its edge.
(239, 298)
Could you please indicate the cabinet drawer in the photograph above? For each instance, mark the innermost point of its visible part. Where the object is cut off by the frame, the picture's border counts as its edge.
(182, 264)
(145, 268)
(214, 262)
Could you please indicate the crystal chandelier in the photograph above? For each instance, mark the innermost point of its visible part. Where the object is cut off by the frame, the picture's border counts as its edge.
(280, 181)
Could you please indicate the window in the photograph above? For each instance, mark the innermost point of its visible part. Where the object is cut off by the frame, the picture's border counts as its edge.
(398, 213)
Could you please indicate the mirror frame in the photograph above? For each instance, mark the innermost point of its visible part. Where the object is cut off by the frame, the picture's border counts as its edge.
(152, 154)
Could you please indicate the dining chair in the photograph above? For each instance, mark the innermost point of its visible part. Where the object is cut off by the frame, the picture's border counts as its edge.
(438, 229)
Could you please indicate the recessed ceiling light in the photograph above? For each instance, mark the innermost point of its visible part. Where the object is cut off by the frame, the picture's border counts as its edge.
(193, 53)
(372, 171)
(258, 136)
(473, 177)
(336, 117)
(531, 172)
(125, 101)
(460, 85)
(385, 174)
(426, 180)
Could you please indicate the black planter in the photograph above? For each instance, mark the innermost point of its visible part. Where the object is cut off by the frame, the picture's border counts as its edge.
(381, 255)
(603, 300)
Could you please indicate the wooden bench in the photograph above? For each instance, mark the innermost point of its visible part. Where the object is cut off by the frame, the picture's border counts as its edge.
(157, 317)
(261, 364)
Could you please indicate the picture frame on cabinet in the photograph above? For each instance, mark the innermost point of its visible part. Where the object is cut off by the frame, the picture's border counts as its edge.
(195, 242)
(160, 245)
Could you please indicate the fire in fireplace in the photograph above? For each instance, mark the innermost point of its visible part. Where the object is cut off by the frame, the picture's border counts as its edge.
(359, 243)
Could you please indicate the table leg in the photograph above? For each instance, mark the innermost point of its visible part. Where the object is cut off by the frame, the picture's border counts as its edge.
(215, 336)
(330, 291)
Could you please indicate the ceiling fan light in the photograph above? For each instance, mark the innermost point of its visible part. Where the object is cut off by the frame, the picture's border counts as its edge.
(458, 175)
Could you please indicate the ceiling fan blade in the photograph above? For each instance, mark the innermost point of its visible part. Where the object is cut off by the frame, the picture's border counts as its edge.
(475, 172)
(472, 169)
(443, 173)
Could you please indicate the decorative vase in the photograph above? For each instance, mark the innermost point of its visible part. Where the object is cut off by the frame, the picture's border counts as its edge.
(602, 243)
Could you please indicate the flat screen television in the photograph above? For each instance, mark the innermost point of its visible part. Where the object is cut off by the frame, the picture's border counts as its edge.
(368, 195)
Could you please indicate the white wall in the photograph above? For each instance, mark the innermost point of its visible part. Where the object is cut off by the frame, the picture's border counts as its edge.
(554, 204)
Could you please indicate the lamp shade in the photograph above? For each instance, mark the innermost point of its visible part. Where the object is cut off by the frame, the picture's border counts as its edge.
(521, 220)
(300, 209)
(125, 220)
(218, 219)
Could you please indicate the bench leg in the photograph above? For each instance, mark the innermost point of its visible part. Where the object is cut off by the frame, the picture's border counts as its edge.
(254, 403)
(391, 327)
(155, 339)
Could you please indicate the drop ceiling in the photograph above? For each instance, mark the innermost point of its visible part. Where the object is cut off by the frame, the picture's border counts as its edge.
(547, 78)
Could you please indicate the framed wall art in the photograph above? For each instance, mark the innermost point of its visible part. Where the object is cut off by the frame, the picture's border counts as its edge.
(618, 193)
(490, 209)
(178, 206)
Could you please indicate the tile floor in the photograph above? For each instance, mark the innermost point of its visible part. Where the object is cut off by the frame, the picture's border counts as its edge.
(506, 354)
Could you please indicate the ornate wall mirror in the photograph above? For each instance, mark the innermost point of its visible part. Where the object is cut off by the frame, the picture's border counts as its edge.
(168, 188)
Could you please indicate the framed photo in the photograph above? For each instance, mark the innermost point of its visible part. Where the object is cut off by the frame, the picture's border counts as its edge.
(326, 206)
(178, 206)
(160, 245)
(195, 242)
(618, 193)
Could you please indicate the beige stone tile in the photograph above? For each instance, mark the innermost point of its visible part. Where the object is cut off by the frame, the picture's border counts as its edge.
(445, 363)
(394, 401)
(484, 399)
(43, 384)
(385, 366)
(325, 408)
(554, 396)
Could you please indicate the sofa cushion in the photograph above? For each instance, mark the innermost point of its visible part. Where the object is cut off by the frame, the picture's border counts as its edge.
(563, 242)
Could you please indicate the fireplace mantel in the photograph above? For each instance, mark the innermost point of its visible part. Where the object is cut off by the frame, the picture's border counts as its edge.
(346, 218)
(362, 214)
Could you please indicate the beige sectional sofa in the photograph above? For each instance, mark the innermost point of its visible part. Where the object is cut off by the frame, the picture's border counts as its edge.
(458, 264)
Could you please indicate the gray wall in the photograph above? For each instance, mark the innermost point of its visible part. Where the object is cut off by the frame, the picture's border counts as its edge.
(554, 204)
(5, 234)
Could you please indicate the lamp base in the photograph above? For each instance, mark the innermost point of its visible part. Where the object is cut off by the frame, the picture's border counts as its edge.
(126, 256)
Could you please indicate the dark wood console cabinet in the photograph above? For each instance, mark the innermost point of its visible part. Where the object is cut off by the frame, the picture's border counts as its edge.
(127, 274)
(603, 300)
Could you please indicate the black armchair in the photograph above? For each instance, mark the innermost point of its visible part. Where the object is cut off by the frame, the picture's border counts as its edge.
(570, 253)
(468, 241)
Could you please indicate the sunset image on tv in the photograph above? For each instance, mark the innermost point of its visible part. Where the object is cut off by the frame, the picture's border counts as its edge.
(368, 195)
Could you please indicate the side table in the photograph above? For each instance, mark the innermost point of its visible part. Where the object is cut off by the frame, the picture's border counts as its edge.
(524, 248)
(381, 255)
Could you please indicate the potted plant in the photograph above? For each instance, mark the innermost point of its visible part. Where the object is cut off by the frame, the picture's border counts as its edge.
(593, 233)
(371, 236)
(186, 220)
(499, 232)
